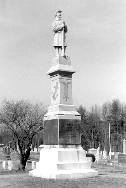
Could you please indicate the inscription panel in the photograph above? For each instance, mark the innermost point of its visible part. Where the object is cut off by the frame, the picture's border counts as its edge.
(50, 132)
(69, 133)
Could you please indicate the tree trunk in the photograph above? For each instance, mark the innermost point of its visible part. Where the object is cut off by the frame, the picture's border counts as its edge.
(22, 162)
(24, 155)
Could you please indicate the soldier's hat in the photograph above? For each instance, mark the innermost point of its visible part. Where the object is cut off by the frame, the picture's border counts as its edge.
(58, 11)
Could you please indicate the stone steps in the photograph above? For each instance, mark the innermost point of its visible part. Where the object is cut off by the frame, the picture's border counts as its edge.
(73, 165)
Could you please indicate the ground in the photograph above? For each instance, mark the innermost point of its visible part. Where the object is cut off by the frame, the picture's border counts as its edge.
(110, 176)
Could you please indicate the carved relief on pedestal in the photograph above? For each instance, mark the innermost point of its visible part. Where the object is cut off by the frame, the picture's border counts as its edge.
(55, 90)
(66, 90)
(61, 90)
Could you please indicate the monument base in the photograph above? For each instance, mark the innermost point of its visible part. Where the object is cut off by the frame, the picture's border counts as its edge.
(63, 162)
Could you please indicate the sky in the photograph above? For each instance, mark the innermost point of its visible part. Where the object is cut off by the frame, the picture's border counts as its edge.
(96, 45)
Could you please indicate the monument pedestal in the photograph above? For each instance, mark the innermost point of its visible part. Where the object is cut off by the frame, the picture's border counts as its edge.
(62, 156)
(60, 162)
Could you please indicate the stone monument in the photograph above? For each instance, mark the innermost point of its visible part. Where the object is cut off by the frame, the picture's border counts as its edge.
(62, 156)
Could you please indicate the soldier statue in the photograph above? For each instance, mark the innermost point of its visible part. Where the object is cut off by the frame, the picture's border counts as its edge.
(59, 30)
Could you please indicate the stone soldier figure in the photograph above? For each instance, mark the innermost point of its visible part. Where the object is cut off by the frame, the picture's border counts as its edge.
(59, 30)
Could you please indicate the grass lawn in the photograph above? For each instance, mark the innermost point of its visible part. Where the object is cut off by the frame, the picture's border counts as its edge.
(109, 177)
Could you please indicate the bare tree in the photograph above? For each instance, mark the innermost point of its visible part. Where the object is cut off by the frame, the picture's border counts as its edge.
(24, 120)
(92, 133)
(106, 111)
(114, 113)
(85, 136)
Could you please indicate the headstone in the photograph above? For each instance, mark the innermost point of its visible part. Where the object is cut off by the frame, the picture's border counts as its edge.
(105, 154)
(122, 158)
(112, 155)
(14, 155)
(116, 155)
(124, 146)
(5, 165)
(14, 163)
(2, 155)
(10, 165)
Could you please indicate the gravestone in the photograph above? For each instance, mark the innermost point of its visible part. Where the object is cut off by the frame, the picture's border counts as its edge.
(122, 158)
(14, 163)
(5, 165)
(124, 146)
